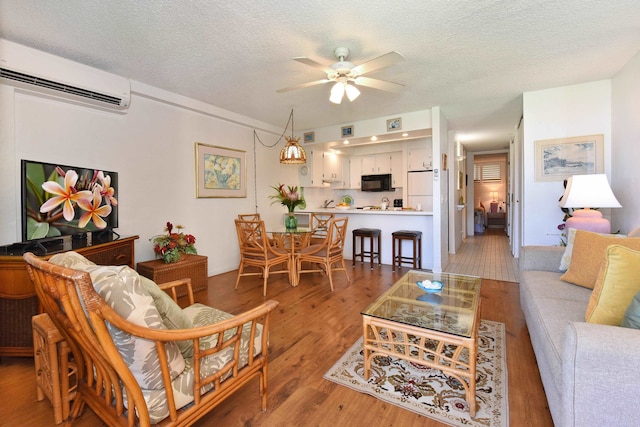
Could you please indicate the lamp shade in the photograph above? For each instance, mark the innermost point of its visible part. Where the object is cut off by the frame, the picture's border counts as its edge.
(588, 191)
(292, 152)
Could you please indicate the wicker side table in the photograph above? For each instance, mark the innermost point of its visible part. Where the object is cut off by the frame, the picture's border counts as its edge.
(190, 266)
(55, 374)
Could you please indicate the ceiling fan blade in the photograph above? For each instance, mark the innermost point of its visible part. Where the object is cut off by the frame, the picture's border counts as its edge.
(310, 62)
(303, 85)
(379, 62)
(378, 84)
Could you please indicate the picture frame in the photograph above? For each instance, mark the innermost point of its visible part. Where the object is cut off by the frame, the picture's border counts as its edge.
(220, 172)
(558, 159)
(309, 137)
(346, 131)
(394, 124)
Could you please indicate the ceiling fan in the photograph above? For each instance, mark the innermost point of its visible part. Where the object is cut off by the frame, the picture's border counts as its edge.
(345, 75)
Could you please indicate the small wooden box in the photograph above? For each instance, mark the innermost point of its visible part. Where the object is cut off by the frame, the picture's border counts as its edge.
(191, 266)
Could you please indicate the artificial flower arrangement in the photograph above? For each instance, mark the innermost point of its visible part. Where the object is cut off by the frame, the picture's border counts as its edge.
(288, 196)
(171, 246)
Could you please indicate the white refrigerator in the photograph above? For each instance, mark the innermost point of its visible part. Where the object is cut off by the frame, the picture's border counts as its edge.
(420, 190)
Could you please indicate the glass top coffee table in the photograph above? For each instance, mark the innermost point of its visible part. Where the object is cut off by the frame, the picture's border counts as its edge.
(433, 328)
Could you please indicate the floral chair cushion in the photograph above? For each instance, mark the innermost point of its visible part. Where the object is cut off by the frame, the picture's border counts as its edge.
(121, 288)
(201, 315)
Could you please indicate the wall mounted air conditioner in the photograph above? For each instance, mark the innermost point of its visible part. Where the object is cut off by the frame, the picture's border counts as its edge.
(40, 72)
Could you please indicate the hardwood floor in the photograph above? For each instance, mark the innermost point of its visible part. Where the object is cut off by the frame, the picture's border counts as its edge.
(487, 255)
(310, 330)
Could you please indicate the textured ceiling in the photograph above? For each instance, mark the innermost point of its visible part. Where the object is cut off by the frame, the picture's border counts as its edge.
(472, 58)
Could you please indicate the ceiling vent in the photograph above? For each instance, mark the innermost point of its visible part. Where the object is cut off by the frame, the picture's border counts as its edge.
(51, 75)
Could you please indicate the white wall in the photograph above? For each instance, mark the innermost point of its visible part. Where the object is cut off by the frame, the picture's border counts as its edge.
(625, 146)
(440, 191)
(152, 149)
(583, 109)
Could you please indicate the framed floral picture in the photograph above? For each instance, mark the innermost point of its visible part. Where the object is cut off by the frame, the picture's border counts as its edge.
(220, 172)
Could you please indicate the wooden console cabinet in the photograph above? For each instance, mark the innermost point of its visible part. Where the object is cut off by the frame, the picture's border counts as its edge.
(18, 301)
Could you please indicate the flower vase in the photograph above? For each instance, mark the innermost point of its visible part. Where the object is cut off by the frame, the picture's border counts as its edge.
(290, 221)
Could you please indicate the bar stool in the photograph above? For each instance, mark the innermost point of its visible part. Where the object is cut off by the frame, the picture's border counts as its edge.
(416, 238)
(372, 234)
(56, 376)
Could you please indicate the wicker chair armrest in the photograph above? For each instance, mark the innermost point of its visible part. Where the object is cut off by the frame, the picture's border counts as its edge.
(173, 286)
(230, 330)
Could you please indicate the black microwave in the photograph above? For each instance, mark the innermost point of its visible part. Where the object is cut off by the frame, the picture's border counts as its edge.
(376, 182)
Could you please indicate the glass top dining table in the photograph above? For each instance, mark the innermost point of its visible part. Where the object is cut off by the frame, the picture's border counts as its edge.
(292, 239)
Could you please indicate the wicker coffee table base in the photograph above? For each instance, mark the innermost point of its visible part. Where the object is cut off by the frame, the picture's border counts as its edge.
(426, 347)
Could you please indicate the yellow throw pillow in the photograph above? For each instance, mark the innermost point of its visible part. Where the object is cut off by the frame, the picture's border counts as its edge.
(588, 253)
(618, 281)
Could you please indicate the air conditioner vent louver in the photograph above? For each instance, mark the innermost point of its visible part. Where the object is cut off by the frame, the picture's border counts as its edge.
(49, 84)
(43, 74)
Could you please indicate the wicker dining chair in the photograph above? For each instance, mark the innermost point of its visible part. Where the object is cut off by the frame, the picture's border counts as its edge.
(249, 217)
(320, 226)
(257, 251)
(130, 373)
(328, 255)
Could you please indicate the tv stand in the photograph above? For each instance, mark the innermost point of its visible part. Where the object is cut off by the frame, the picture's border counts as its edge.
(18, 301)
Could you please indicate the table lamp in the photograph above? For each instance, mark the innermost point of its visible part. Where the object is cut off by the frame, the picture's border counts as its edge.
(584, 192)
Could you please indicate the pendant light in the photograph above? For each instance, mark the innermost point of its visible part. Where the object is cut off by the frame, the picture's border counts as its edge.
(292, 153)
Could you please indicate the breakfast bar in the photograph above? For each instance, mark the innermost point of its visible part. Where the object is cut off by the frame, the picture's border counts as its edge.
(387, 221)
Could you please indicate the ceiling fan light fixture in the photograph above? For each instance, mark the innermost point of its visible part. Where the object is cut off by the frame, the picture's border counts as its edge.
(292, 152)
(352, 92)
(337, 92)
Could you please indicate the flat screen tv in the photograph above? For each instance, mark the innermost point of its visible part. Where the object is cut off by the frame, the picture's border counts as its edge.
(60, 200)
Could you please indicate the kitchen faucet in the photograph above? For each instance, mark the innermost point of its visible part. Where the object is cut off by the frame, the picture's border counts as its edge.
(327, 203)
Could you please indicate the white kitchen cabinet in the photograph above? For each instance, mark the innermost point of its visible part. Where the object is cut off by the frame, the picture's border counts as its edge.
(419, 159)
(332, 166)
(397, 171)
(311, 173)
(355, 172)
(376, 164)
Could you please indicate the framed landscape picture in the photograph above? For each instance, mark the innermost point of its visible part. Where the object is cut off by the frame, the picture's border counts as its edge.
(309, 137)
(394, 124)
(346, 131)
(558, 159)
(220, 172)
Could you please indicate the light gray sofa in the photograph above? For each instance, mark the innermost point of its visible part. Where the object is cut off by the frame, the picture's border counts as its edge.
(590, 372)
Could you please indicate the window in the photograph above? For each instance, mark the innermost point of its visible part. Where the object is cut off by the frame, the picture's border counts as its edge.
(487, 172)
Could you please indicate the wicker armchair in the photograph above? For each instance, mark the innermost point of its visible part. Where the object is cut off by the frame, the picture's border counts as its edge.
(175, 375)
(327, 255)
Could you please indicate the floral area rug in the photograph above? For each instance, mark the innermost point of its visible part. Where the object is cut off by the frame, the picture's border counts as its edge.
(429, 392)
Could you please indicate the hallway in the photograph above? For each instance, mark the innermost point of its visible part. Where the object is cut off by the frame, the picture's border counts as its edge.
(487, 256)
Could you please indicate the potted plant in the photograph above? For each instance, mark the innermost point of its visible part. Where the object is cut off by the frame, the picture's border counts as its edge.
(288, 196)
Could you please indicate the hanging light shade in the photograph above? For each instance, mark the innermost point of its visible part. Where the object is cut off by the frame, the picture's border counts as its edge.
(337, 92)
(352, 92)
(292, 152)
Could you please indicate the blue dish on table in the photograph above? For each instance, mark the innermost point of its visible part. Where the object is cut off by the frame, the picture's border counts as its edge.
(430, 286)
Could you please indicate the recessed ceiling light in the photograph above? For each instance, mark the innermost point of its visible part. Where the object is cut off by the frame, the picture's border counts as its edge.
(374, 138)
(345, 142)
(405, 134)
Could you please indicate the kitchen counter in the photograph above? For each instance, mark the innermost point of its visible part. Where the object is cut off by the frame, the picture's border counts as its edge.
(387, 221)
(354, 211)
